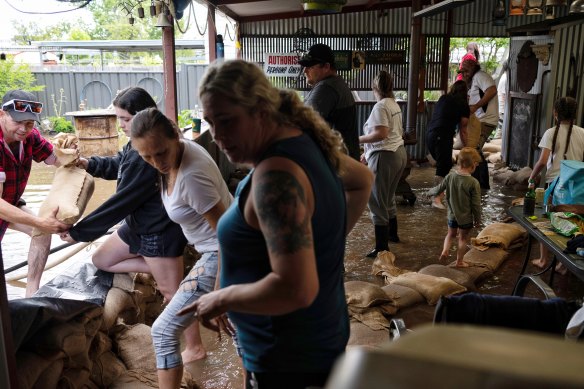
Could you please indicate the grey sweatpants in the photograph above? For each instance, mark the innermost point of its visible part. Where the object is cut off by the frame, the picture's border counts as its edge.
(387, 168)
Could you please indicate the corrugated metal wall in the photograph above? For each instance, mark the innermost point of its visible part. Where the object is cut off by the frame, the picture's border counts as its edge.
(357, 79)
(471, 20)
(568, 69)
(100, 87)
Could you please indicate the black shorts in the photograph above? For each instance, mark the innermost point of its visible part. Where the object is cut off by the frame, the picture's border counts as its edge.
(168, 243)
(454, 224)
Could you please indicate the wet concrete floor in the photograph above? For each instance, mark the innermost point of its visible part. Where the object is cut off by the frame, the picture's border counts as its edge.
(422, 230)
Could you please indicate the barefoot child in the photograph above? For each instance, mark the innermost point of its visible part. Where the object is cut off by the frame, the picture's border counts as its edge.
(463, 200)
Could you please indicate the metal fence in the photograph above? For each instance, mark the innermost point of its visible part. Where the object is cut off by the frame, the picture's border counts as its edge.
(65, 90)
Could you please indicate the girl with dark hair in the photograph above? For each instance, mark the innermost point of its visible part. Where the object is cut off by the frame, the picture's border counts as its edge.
(147, 241)
(564, 141)
(386, 157)
(451, 110)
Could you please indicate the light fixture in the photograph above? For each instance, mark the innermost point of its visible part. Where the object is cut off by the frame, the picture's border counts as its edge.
(577, 7)
(163, 18)
(440, 7)
(555, 3)
(323, 6)
(534, 7)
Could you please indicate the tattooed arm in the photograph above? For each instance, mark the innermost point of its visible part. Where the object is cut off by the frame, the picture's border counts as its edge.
(281, 205)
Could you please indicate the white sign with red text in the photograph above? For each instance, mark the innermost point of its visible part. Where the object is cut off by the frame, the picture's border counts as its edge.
(281, 65)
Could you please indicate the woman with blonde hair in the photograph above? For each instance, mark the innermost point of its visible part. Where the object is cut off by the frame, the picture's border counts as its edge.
(283, 238)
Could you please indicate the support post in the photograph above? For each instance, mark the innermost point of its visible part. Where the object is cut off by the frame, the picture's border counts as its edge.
(414, 68)
(169, 70)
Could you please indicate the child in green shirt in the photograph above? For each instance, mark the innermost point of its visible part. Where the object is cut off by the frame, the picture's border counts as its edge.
(463, 200)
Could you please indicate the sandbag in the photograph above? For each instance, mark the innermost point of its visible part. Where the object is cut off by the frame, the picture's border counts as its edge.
(494, 157)
(70, 192)
(451, 273)
(363, 336)
(30, 366)
(432, 288)
(384, 265)
(498, 235)
(371, 317)
(106, 369)
(134, 345)
(364, 294)
(120, 304)
(491, 258)
(402, 296)
(65, 148)
(491, 148)
(473, 132)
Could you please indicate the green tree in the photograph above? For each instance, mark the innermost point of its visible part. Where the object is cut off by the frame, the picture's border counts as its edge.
(490, 50)
(26, 33)
(112, 22)
(16, 76)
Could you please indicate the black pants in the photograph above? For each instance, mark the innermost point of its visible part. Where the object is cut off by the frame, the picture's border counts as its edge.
(440, 147)
(288, 380)
(481, 173)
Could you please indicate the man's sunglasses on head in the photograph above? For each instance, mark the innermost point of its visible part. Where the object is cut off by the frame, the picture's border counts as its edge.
(23, 106)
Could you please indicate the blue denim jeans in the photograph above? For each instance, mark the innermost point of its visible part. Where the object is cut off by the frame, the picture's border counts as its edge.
(167, 329)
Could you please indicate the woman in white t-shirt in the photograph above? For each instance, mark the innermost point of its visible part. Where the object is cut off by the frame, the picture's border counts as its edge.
(386, 157)
(564, 141)
(195, 196)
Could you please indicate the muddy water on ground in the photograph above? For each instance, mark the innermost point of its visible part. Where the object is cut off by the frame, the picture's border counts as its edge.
(421, 229)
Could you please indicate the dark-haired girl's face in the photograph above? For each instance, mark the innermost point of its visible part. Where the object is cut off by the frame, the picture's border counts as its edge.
(125, 120)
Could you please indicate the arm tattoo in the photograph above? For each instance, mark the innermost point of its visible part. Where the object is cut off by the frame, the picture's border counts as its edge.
(281, 205)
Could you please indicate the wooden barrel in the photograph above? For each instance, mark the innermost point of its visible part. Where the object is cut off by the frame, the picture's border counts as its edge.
(97, 132)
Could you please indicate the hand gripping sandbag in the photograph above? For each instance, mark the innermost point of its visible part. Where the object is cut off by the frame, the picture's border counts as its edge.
(566, 192)
(72, 187)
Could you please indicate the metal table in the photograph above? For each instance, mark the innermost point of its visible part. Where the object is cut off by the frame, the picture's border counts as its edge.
(554, 242)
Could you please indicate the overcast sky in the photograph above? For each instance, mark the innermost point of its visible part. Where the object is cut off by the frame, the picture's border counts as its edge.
(9, 13)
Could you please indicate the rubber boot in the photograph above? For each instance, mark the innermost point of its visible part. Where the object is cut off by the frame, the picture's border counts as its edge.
(392, 230)
(381, 238)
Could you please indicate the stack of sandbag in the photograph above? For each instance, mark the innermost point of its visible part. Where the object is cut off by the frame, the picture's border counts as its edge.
(121, 306)
(72, 187)
(134, 347)
(502, 174)
(58, 354)
(490, 248)
(492, 151)
(368, 304)
(518, 180)
(428, 286)
(107, 367)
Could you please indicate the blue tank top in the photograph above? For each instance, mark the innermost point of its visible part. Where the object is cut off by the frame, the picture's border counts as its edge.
(310, 339)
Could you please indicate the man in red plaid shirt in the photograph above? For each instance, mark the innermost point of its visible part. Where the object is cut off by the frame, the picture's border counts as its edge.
(20, 143)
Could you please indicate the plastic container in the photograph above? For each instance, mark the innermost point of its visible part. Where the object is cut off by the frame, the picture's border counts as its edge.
(539, 193)
(220, 47)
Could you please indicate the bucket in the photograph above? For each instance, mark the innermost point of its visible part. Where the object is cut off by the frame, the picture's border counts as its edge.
(97, 132)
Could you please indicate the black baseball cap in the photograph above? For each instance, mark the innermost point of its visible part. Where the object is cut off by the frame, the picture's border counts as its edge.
(318, 53)
(17, 116)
